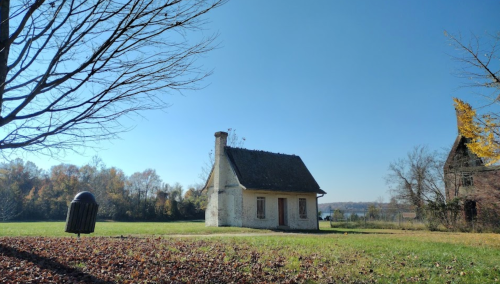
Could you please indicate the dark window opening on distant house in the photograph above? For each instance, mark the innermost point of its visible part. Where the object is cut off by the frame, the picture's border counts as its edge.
(302, 208)
(470, 210)
(261, 207)
(467, 180)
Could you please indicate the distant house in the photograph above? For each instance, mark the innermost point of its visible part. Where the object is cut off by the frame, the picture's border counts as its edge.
(467, 177)
(258, 189)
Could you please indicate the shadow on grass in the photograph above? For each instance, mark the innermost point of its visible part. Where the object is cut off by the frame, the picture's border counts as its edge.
(335, 231)
(70, 274)
(149, 221)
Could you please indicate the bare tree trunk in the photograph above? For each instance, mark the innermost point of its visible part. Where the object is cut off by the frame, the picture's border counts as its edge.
(4, 46)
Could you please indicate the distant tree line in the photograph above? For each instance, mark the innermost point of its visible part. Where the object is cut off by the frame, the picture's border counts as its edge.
(30, 193)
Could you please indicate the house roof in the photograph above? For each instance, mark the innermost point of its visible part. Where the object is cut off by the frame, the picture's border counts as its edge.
(459, 141)
(271, 171)
(465, 158)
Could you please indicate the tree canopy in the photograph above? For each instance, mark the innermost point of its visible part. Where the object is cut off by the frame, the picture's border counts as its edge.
(69, 69)
(480, 66)
(417, 179)
(30, 193)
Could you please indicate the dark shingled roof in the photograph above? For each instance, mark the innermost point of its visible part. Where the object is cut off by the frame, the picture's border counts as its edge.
(458, 144)
(465, 157)
(271, 171)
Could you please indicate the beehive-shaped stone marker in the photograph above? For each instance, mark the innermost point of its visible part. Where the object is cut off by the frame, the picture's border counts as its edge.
(82, 214)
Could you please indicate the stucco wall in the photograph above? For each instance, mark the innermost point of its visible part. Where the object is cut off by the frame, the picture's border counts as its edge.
(271, 221)
(211, 213)
(234, 203)
(224, 203)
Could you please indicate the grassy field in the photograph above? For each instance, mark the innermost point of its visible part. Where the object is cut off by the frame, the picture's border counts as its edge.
(56, 229)
(332, 255)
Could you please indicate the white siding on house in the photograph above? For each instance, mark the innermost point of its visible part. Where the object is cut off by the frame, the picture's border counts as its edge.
(271, 221)
(237, 207)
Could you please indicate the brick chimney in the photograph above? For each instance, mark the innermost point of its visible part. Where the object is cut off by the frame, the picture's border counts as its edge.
(220, 162)
(220, 143)
(220, 170)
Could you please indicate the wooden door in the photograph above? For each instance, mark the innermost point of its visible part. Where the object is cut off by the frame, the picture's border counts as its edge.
(281, 211)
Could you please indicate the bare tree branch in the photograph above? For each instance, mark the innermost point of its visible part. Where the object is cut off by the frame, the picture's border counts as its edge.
(233, 140)
(417, 179)
(480, 62)
(69, 69)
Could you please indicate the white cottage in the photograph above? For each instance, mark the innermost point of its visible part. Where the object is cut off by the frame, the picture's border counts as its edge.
(258, 189)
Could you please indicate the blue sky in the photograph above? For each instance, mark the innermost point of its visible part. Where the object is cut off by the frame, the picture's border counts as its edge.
(349, 86)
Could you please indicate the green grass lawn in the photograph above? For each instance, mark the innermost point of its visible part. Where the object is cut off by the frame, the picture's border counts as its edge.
(56, 229)
(334, 254)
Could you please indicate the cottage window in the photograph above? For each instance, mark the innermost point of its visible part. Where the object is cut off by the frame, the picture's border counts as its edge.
(261, 207)
(467, 180)
(302, 208)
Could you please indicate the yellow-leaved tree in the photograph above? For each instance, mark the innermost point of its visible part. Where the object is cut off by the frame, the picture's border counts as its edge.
(482, 130)
(480, 66)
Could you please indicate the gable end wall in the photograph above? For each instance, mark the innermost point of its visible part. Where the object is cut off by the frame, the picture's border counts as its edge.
(224, 201)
